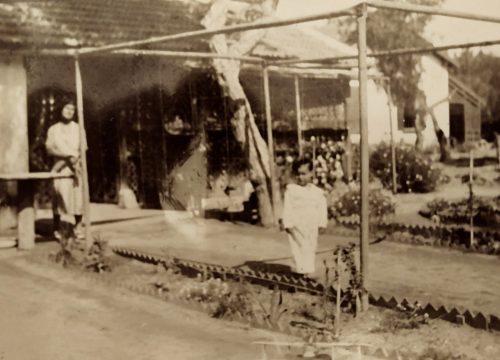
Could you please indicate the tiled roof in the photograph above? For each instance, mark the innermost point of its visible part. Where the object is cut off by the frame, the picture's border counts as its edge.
(456, 84)
(46, 24)
(292, 42)
(78, 23)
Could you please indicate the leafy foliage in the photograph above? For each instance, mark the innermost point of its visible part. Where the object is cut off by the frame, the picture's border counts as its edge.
(210, 290)
(355, 289)
(97, 259)
(327, 155)
(485, 211)
(386, 30)
(415, 172)
(434, 354)
(381, 204)
(347, 269)
(275, 310)
(227, 300)
(327, 161)
(238, 301)
(408, 317)
(72, 252)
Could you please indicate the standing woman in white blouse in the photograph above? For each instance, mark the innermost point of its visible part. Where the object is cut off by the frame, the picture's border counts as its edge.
(304, 214)
(63, 143)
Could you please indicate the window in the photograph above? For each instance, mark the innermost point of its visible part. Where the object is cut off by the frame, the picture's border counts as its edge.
(406, 119)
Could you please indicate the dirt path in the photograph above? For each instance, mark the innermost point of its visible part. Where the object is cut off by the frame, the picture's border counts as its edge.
(46, 314)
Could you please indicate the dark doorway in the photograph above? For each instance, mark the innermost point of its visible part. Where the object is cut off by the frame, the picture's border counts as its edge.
(457, 122)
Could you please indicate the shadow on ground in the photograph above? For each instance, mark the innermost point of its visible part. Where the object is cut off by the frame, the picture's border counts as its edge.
(279, 269)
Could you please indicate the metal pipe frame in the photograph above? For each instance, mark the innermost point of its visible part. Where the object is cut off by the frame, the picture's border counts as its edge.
(298, 115)
(224, 30)
(361, 12)
(379, 4)
(254, 59)
(422, 9)
(395, 52)
(83, 156)
(364, 151)
(270, 141)
(139, 52)
(186, 54)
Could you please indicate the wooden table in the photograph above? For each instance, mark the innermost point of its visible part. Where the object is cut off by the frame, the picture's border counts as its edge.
(26, 203)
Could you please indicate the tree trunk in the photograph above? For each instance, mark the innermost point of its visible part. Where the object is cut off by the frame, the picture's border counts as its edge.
(444, 146)
(244, 127)
(419, 132)
(422, 110)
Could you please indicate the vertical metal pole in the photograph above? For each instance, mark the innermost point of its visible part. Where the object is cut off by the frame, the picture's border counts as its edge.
(270, 141)
(348, 146)
(471, 198)
(337, 301)
(363, 125)
(299, 116)
(313, 141)
(83, 155)
(393, 147)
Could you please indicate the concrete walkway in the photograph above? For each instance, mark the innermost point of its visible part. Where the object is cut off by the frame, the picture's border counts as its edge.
(436, 275)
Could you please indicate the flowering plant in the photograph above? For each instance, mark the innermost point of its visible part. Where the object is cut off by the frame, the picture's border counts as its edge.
(381, 204)
(484, 211)
(205, 291)
(227, 300)
(327, 157)
(414, 171)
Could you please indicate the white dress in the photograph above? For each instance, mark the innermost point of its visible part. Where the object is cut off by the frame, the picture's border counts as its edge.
(304, 212)
(68, 196)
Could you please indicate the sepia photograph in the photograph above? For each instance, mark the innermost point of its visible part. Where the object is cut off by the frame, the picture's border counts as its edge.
(249, 179)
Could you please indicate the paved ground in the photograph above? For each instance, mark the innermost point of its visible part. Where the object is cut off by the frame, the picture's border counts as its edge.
(442, 276)
(47, 315)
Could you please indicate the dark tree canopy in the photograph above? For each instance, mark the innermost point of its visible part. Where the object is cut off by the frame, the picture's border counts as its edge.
(389, 29)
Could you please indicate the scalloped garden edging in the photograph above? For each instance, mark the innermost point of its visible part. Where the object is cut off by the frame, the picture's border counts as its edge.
(454, 236)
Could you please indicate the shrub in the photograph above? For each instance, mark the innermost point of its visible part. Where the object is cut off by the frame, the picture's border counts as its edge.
(205, 291)
(485, 211)
(226, 300)
(328, 161)
(381, 204)
(415, 172)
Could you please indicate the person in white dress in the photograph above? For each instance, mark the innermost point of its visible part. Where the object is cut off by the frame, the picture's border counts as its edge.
(304, 214)
(63, 144)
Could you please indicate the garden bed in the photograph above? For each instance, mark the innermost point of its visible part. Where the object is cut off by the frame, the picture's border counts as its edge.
(485, 211)
(402, 331)
(486, 240)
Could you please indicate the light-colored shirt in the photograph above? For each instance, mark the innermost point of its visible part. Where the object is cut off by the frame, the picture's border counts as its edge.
(64, 138)
(304, 207)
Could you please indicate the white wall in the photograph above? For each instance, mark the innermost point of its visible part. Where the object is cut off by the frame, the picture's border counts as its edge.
(380, 113)
(14, 132)
(13, 116)
(434, 83)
